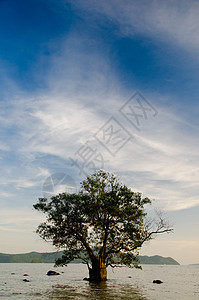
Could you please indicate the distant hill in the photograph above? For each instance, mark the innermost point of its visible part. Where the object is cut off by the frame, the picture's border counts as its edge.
(36, 257)
(157, 260)
(32, 257)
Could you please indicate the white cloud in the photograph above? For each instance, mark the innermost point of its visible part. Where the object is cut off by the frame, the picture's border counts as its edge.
(40, 132)
(161, 161)
(169, 21)
(83, 93)
(4, 147)
(19, 220)
(6, 194)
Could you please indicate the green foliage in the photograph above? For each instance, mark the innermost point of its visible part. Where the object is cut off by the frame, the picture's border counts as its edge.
(104, 221)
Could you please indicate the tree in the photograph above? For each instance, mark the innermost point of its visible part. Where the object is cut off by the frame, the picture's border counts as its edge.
(104, 224)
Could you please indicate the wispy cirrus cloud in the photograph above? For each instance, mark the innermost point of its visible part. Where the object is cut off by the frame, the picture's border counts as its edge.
(82, 91)
(161, 160)
(169, 21)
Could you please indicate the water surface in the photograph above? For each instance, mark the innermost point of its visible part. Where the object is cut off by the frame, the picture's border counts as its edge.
(179, 282)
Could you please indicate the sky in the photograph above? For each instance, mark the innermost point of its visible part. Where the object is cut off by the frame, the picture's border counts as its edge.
(88, 85)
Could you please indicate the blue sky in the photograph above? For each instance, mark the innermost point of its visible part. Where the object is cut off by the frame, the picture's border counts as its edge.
(67, 71)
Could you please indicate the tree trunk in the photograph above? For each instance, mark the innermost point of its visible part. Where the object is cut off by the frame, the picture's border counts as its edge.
(98, 271)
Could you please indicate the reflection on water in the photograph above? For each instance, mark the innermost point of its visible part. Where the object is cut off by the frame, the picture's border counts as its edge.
(95, 291)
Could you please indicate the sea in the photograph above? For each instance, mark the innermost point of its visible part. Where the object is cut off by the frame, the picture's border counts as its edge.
(179, 282)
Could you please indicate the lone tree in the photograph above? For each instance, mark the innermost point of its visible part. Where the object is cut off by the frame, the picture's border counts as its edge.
(104, 224)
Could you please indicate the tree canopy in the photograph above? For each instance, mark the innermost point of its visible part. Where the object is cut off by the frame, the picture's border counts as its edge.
(104, 224)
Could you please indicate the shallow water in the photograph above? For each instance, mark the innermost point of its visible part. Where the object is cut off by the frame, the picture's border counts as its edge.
(179, 282)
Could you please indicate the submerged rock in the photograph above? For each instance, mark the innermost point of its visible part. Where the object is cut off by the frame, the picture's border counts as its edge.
(49, 273)
(25, 274)
(157, 281)
(26, 280)
(16, 293)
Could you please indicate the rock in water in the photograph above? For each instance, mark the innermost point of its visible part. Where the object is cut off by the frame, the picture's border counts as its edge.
(49, 273)
(26, 280)
(157, 281)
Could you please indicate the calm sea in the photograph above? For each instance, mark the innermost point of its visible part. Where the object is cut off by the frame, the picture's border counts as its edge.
(179, 282)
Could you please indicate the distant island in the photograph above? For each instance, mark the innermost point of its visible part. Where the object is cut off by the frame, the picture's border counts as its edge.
(49, 257)
(157, 260)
